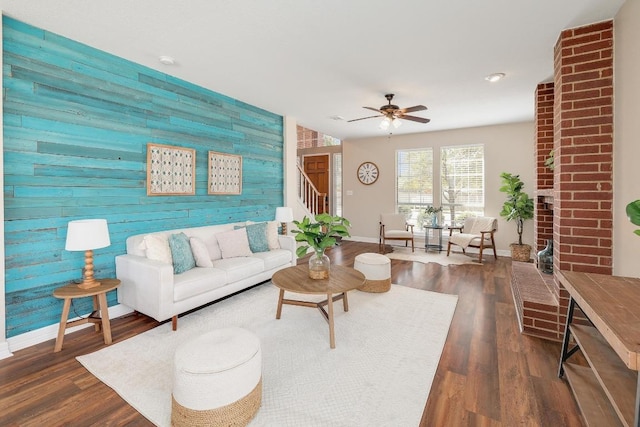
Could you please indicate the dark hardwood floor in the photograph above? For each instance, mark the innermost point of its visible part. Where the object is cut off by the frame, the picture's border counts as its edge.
(489, 374)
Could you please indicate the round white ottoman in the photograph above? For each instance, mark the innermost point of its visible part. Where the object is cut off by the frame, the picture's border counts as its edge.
(217, 379)
(377, 271)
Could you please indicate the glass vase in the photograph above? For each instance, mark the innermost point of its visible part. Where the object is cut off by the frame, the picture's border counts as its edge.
(434, 220)
(319, 265)
(545, 258)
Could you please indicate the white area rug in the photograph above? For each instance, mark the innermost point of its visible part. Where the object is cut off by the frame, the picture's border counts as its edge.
(387, 350)
(441, 258)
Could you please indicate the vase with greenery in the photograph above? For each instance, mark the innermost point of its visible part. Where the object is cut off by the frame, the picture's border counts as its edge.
(633, 213)
(518, 207)
(323, 233)
(433, 212)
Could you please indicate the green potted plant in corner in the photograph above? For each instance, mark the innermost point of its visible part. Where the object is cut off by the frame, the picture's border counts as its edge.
(324, 233)
(633, 213)
(518, 207)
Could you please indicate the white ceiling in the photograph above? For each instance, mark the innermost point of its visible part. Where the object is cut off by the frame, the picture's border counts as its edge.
(312, 59)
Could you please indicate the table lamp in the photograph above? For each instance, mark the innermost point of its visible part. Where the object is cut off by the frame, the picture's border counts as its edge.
(87, 235)
(283, 216)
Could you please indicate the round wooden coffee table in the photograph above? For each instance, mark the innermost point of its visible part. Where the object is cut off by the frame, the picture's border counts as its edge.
(296, 279)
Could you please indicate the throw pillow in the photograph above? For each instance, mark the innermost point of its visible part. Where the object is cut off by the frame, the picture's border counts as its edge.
(157, 248)
(234, 243)
(200, 252)
(257, 236)
(272, 235)
(181, 253)
(211, 241)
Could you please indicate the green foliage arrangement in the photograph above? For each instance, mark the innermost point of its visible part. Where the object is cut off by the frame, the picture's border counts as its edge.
(549, 161)
(518, 206)
(321, 234)
(633, 213)
(432, 210)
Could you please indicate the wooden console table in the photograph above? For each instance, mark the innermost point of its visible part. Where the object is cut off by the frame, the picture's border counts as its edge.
(608, 391)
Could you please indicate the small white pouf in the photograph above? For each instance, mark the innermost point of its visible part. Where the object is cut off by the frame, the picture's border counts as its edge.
(377, 271)
(217, 379)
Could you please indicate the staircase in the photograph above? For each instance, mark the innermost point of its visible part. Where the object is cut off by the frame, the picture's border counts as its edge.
(308, 195)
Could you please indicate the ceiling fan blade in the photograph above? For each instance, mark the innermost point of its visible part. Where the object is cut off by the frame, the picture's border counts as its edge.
(415, 119)
(413, 109)
(363, 118)
(373, 109)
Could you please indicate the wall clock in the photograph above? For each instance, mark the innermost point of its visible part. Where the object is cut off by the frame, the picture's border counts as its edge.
(368, 173)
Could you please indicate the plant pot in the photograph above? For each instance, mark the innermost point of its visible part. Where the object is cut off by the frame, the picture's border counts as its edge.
(319, 265)
(520, 253)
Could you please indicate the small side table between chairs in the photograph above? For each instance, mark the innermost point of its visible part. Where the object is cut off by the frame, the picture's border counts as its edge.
(437, 232)
(99, 294)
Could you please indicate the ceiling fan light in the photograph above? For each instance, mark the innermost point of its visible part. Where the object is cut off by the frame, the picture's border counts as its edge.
(396, 123)
(384, 124)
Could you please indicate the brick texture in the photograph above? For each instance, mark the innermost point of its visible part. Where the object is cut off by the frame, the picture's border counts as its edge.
(574, 118)
(583, 141)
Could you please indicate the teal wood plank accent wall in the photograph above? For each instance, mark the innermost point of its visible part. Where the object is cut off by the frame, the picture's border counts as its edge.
(77, 122)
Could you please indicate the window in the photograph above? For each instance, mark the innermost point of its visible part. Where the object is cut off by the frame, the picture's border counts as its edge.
(414, 174)
(462, 180)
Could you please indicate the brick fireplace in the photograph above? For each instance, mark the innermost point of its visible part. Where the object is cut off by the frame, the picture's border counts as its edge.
(573, 202)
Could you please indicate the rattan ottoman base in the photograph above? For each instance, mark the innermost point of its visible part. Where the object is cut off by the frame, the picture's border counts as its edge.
(238, 413)
(376, 285)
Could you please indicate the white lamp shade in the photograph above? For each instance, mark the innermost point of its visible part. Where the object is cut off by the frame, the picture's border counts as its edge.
(284, 214)
(87, 234)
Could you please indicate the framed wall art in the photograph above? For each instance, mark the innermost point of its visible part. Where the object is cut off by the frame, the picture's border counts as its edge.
(170, 170)
(225, 173)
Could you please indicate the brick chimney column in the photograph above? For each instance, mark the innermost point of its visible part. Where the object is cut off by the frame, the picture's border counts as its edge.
(583, 144)
(543, 217)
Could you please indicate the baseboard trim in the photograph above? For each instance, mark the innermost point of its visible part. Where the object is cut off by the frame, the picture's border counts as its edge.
(38, 336)
(4, 350)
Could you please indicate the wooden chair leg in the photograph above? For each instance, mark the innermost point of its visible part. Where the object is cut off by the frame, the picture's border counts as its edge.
(495, 255)
(480, 256)
(413, 249)
(448, 248)
(174, 323)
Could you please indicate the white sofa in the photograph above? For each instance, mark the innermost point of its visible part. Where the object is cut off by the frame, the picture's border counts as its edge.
(151, 287)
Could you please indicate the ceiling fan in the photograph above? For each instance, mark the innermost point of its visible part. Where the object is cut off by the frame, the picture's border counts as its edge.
(392, 113)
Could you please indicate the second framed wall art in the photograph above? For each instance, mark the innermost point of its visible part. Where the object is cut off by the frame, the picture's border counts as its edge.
(225, 173)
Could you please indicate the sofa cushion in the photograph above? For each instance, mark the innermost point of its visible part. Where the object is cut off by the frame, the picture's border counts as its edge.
(157, 248)
(257, 236)
(200, 252)
(234, 243)
(274, 258)
(197, 281)
(181, 254)
(240, 268)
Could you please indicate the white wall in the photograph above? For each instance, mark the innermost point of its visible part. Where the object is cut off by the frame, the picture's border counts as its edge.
(626, 146)
(508, 148)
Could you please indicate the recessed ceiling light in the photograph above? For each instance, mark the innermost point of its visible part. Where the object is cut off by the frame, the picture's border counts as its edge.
(494, 77)
(167, 60)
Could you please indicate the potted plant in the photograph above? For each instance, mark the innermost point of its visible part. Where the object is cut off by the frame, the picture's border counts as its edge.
(518, 207)
(633, 213)
(324, 233)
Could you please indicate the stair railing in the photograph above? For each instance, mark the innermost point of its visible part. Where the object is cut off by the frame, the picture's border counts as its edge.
(309, 195)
